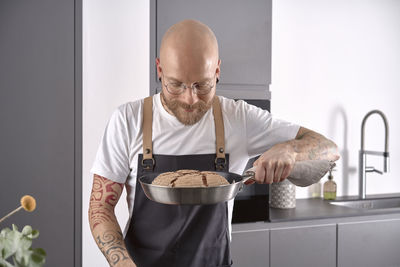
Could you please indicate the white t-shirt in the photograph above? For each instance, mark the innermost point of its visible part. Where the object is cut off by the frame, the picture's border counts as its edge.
(249, 131)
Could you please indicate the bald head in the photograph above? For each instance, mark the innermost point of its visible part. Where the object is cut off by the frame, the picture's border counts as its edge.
(188, 56)
(189, 43)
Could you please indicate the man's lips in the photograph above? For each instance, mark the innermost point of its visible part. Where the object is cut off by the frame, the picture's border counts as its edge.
(187, 109)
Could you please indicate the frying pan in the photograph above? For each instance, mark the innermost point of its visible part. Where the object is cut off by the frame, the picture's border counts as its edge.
(195, 195)
(304, 173)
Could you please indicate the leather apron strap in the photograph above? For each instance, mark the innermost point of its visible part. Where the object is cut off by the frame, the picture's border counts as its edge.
(148, 160)
(220, 160)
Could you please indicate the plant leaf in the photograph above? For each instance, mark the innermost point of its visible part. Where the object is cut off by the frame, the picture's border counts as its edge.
(18, 245)
(34, 234)
(38, 257)
(27, 230)
(10, 243)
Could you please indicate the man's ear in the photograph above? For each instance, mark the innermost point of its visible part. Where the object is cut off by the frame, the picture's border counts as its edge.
(218, 71)
(159, 70)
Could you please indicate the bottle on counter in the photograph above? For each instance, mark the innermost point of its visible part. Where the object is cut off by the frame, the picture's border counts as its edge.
(315, 190)
(330, 187)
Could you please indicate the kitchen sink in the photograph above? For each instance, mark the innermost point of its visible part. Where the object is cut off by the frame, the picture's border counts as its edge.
(369, 204)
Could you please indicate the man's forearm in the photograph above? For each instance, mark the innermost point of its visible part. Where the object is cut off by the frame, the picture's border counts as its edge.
(103, 223)
(310, 145)
(109, 239)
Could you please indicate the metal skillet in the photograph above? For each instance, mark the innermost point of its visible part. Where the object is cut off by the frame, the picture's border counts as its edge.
(195, 195)
(304, 173)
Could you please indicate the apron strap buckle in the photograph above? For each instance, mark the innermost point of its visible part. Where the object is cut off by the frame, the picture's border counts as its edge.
(220, 164)
(148, 164)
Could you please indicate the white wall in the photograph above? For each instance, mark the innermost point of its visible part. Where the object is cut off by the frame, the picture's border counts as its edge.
(115, 71)
(332, 62)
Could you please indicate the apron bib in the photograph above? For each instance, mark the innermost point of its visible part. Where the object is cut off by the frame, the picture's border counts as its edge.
(161, 235)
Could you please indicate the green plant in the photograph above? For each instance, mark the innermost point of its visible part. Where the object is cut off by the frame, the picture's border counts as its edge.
(16, 245)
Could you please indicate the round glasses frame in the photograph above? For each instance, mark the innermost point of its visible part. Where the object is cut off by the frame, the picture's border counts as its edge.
(175, 89)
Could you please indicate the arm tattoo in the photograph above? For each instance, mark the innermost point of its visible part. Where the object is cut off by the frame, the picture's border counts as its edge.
(112, 246)
(315, 146)
(104, 197)
(104, 224)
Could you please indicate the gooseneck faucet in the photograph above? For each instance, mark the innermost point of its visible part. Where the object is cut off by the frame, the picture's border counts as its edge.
(363, 169)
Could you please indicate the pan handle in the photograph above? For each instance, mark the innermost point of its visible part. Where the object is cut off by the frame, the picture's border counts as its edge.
(248, 174)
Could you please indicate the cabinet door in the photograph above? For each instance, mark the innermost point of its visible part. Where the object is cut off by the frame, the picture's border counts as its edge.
(303, 246)
(243, 30)
(365, 244)
(40, 118)
(250, 248)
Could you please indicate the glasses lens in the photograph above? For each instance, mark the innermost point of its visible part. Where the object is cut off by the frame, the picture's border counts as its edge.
(175, 89)
(203, 89)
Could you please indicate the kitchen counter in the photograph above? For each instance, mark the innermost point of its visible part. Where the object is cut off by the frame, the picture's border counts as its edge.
(317, 233)
(317, 210)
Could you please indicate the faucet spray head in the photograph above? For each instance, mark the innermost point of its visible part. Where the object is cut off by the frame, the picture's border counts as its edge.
(386, 162)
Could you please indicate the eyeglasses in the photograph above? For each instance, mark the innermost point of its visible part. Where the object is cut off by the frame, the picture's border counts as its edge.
(177, 88)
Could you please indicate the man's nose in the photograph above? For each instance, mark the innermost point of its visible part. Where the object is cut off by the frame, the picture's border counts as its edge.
(189, 96)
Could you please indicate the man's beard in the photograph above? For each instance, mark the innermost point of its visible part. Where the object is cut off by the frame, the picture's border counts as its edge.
(179, 110)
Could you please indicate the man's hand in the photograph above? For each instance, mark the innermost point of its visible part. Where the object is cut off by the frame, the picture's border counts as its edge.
(276, 164)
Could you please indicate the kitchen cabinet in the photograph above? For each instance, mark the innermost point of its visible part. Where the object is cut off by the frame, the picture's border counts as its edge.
(243, 30)
(41, 118)
(365, 240)
(312, 245)
(303, 246)
(250, 248)
(369, 243)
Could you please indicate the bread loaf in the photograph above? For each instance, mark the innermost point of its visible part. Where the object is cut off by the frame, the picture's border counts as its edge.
(190, 178)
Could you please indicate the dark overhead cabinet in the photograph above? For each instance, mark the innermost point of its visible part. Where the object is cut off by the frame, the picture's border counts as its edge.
(243, 30)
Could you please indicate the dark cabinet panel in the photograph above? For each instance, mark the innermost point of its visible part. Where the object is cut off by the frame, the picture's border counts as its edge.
(40, 121)
(369, 244)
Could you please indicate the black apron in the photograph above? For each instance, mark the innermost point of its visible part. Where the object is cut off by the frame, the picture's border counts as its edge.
(161, 235)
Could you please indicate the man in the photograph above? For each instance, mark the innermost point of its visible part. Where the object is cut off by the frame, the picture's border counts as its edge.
(183, 136)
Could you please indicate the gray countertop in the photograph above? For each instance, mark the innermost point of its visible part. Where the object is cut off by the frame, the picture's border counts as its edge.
(317, 210)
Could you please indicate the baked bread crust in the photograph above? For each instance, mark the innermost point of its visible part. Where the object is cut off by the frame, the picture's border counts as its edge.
(190, 178)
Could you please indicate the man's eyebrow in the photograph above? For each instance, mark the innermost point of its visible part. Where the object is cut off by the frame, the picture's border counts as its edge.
(204, 80)
(173, 79)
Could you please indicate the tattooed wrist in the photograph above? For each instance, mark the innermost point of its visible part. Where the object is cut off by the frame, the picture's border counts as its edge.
(112, 245)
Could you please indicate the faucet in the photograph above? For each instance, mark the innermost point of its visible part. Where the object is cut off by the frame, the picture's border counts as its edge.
(363, 169)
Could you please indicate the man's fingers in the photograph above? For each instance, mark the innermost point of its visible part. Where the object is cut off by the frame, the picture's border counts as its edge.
(278, 172)
(260, 174)
(270, 172)
(287, 170)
